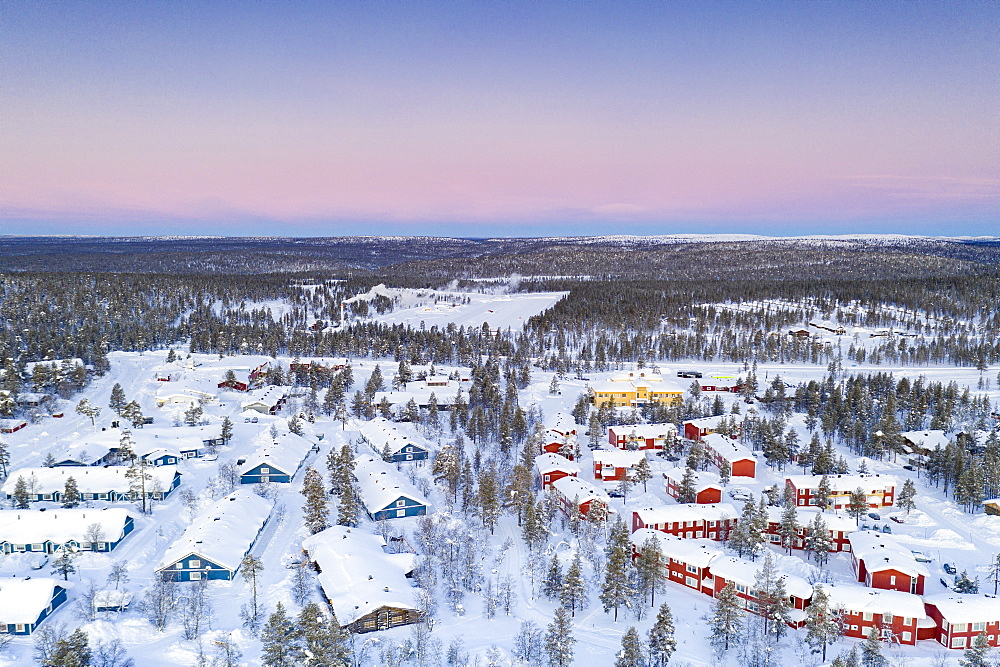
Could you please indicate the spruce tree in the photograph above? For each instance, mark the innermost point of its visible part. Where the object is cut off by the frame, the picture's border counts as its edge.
(71, 651)
(71, 493)
(871, 650)
(649, 569)
(726, 623)
(315, 512)
(977, 654)
(280, 641)
(487, 498)
(227, 430)
(349, 509)
(559, 640)
(685, 490)
(662, 642)
(631, 654)
(118, 400)
(818, 540)
(905, 499)
(552, 584)
(616, 590)
(857, 507)
(789, 527)
(324, 642)
(21, 496)
(573, 595)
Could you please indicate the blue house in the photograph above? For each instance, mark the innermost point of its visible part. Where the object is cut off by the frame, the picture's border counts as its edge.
(47, 531)
(391, 444)
(214, 545)
(385, 492)
(25, 603)
(93, 482)
(277, 461)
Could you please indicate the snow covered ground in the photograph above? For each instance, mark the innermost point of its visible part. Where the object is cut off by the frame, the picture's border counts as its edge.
(938, 527)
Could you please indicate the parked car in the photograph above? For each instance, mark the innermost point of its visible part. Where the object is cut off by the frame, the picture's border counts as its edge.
(944, 583)
(689, 374)
(615, 493)
(886, 528)
(920, 557)
(865, 526)
(949, 568)
(908, 467)
(897, 519)
(874, 516)
(740, 493)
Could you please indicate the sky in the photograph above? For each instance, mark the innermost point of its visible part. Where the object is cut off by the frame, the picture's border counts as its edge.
(499, 118)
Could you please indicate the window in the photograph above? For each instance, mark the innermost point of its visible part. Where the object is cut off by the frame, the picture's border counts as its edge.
(958, 627)
(265, 480)
(409, 457)
(978, 627)
(196, 576)
(400, 503)
(692, 582)
(958, 642)
(692, 569)
(892, 580)
(46, 496)
(400, 513)
(887, 617)
(907, 637)
(19, 627)
(740, 588)
(264, 471)
(867, 616)
(194, 563)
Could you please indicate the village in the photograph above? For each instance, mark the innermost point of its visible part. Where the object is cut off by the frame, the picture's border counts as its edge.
(188, 468)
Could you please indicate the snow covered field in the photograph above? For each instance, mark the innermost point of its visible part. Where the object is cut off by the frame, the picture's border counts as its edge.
(938, 527)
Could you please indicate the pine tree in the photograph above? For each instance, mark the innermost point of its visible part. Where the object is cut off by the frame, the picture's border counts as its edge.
(616, 590)
(871, 651)
(315, 512)
(71, 651)
(963, 584)
(789, 527)
(631, 654)
(519, 490)
(858, 505)
(280, 641)
(71, 493)
(64, 563)
(559, 640)
(250, 569)
(976, 655)
(662, 642)
(227, 430)
(818, 541)
(822, 626)
(552, 584)
(727, 619)
(487, 498)
(747, 538)
(642, 473)
(685, 490)
(649, 569)
(118, 400)
(573, 595)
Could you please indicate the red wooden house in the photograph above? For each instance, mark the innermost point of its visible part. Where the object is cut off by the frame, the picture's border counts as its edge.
(707, 489)
(879, 489)
(899, 617)
(742, 574)
(613, 465)
(642, 436)
(552, 467)
(685, 562)
(881, 562)
(575, 490)
(722, 449)
(12, 425)
(696, 429)
(559, 443)
(713, 522)
(839, 526)
(958, 619)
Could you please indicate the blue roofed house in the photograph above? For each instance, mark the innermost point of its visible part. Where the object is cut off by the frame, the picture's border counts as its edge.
(46, 531)
(25, 603)
(391, 444)
(215, 543)
(93, 482)
(385, 492)
(275, 461)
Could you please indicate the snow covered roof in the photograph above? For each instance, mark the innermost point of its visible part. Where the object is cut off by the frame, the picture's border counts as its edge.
(269, 396)
(844, 483)
(23, 600)
(966, 608)
(548, 462)
(89, 479)
(284, 453)
(629, 376)
(710, 423)
(380, 484)
(729, 449)
(624, 384)
(697, 552)
(927, 439)
(646, 431)
(874, 600)
(60, 525)
(561, 422)
(703, 479)
(804, 516)
(744, 572)
(356, 574)
(224, 532)
(882, 552)
(574, 487)
(618, 458)
(380, 433)
(687, 512)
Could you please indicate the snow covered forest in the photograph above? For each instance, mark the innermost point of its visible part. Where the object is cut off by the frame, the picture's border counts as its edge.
(500, 452)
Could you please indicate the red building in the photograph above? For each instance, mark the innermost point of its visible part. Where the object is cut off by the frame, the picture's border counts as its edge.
(553, 467)
(713, 522)
(613, 465)
(840, 528)
(899, 617)
(742, 575)
(723, 450)
(880, 562)
(880, 490)
(560, 443)
(696, 429)
(707, 489)
(12, 425)
(575, 490)
(958, 619)
(642, 436)
(685, 562)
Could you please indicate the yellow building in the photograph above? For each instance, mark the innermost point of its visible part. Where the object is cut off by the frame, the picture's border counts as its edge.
(636, 389)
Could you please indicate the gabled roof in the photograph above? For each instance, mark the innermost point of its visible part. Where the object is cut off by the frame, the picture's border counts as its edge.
(843, 483)
(618, 458)
(574, 487)
(966, 608)
(285, 453)
(697, 552)
(702, 478)
(805, 516)
(882, 552)
(729, 449)
(224, 532)
(742, 571)
(23, 600)
(645, 431)
(89, 479)
(874, 600)
(357, 576)
(380, 484)
(687, 512)
(60, 525)
(549, 462)
(381, 433)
